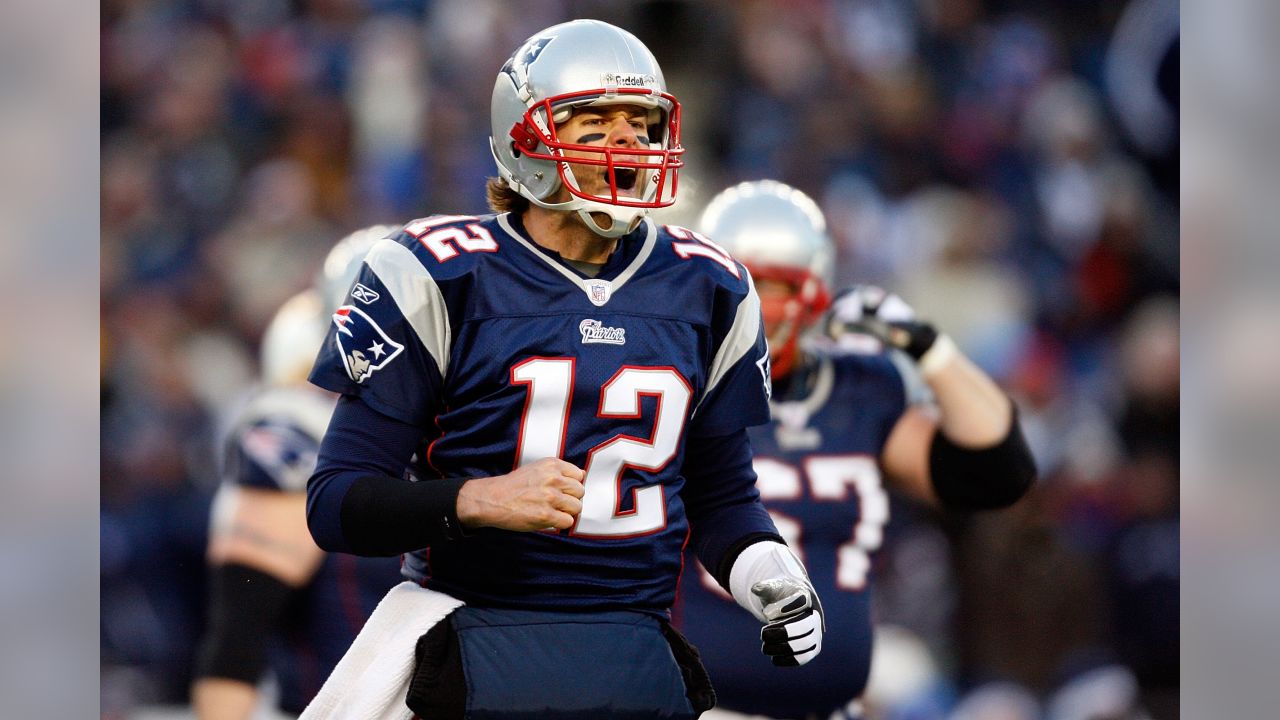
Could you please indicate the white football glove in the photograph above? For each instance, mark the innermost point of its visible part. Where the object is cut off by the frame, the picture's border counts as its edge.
(872, 311)
(768, 580)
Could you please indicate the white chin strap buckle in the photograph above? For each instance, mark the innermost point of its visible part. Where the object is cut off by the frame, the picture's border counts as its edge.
(618, 226)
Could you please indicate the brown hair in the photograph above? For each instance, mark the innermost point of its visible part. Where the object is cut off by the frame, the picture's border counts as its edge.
(502, 198)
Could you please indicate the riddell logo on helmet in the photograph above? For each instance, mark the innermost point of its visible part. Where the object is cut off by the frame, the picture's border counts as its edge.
(628, 80)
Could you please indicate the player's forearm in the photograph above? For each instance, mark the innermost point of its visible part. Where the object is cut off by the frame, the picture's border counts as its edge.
(243, 609)
(223, 699)
(975, 412)
(721, 500)
(263, 529)
(382, 516)
(357, 499)
(978, 458)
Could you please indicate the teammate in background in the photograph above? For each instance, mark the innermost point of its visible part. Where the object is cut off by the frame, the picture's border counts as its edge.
(842, 419)
(277, 600)
(582, 380)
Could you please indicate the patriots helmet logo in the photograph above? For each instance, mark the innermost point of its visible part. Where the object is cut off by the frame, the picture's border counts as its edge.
(364, 346)
(517, 66)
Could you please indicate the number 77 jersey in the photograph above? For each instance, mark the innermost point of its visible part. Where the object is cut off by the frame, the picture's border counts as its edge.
(505, 354)
(819, 477)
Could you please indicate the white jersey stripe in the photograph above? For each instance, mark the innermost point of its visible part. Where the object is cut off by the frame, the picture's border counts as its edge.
(650, 241)
(417, 295)
(739, 340)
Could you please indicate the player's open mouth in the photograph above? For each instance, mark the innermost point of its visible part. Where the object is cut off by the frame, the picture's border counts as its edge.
(625, 178)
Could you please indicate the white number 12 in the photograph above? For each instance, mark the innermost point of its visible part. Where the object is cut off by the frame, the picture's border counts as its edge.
(545, 423)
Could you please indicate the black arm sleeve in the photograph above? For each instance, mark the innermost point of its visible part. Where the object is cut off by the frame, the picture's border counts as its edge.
(723, 505)
(358, 500)
(985, 478)
(244, 606)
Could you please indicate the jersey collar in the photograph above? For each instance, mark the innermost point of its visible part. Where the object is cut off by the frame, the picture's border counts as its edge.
(600, 288)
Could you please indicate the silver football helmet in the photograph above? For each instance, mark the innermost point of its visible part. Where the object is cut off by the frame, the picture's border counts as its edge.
(780, 234)
(342, 264)
(772, 227)
(293, 338)
(295, 333)
(568, 66)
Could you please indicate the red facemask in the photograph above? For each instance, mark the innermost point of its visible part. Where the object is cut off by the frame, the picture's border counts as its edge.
(660, 167)
(786, 317)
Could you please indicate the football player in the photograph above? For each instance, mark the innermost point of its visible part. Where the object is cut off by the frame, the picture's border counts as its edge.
(910, 409)
(276, 601)
(581, 379)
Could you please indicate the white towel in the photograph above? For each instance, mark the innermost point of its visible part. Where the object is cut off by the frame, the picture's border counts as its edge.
(371, 680)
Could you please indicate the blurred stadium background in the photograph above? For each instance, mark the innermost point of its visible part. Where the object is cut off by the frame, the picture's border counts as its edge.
(1009, 167)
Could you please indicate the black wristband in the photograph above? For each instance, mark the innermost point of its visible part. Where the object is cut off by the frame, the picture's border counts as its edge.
(920, 336)
(244, 605)
(386, 516)
(982, 479)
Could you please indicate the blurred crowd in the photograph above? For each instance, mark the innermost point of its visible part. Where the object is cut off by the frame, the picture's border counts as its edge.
(1009, 167)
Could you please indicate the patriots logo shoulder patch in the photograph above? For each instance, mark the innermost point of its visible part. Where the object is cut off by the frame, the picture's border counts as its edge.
(365, 347)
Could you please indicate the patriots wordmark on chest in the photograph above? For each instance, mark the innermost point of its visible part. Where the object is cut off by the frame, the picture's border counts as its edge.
(593, 331)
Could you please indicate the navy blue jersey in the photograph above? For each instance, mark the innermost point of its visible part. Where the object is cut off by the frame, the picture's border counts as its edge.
(273, 446)
(819, 476)
(504, 354)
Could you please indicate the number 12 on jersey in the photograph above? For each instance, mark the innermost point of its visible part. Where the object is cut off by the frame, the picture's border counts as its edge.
(545, 423)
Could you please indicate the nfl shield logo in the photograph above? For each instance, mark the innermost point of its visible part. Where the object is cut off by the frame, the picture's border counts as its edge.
(598, 291)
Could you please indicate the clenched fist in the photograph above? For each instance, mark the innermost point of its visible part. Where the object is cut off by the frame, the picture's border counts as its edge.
(770, 582)
(545, 494)
(793, 635)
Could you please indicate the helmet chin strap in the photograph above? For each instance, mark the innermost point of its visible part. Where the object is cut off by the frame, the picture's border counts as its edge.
(622, 220)
(618, 226)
